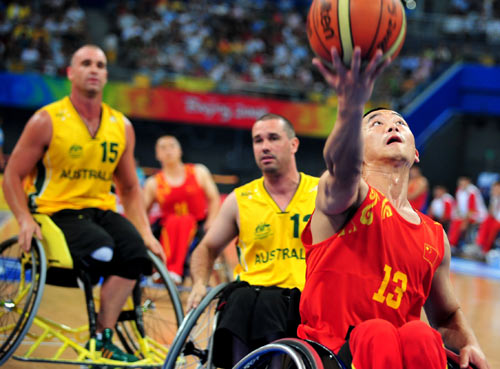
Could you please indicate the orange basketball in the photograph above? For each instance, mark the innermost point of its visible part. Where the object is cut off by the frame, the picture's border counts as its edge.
(369, 24)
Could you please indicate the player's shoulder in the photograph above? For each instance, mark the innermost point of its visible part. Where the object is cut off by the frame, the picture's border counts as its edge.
(115, 114)
(56, 107)
(427, 220)
(310, 181)
(249, 188)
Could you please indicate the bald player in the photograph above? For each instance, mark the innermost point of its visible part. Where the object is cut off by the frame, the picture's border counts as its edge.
(69, 154)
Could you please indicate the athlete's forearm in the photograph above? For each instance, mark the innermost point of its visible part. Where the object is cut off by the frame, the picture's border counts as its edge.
(133, 204)
(202, 263)
(15, 196)
(213, 209)
(343, 150)
(456, 332)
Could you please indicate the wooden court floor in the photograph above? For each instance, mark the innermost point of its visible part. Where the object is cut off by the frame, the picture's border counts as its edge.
(479, 297)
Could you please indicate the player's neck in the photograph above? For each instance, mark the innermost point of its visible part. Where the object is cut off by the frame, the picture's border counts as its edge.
(392, 181)
(88, 107)
(174, 169)
(282, 183)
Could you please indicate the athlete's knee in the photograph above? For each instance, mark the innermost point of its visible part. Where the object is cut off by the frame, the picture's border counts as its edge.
(418, 332)
(421, 345)
(375, 344)
(376, 330)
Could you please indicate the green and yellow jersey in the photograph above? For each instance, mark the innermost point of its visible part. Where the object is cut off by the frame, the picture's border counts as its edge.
(269, 248)
(77, 169)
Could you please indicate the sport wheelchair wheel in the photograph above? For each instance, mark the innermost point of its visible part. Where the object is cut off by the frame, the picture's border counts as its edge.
(294, 353)
(192, 346)
(160, 314)
(22, 280)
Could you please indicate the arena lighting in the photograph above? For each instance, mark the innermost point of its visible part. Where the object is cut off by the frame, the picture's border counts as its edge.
(410, 4)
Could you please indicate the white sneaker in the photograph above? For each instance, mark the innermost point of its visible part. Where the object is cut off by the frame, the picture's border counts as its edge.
(175, 277)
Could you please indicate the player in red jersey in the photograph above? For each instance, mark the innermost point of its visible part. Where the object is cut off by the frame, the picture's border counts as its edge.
(372, 260)
(188, 198)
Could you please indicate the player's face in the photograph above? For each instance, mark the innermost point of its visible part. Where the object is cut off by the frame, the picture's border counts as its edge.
(168, 150)
(438, 192)
(387, 136)
(462, 182)
(88, 70)
(272, 148)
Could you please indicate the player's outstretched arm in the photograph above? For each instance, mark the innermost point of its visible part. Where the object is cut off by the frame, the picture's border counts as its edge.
(221, 232)
(445, 315)
(343, 152)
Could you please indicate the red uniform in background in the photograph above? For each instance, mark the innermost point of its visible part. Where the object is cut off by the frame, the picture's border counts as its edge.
(470, 209)
(377, 273)
(442, 207)
(182, 208)
(420, 201)
(490, 227)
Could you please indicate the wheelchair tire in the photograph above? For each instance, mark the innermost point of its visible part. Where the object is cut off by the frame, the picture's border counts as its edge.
(22, 281)
(161, 308)
(261, 357)
(192, 346)
(309, 355)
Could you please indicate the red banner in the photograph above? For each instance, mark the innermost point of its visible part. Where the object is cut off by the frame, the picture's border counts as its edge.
(214, 109)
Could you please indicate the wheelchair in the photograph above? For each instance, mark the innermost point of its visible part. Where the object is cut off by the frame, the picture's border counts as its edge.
(192, 345)
(145, 327)
(303, 354)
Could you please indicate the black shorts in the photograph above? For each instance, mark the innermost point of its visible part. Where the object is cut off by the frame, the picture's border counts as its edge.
(255, 315)
(87, 230)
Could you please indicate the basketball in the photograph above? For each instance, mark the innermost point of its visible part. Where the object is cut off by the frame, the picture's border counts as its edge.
(345, 24)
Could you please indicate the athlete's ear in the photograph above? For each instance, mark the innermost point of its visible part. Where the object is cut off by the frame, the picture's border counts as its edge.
(417, 156)
(295, 144)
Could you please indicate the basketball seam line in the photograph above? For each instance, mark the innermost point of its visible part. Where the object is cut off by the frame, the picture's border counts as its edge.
(344, 22)
(399, 40)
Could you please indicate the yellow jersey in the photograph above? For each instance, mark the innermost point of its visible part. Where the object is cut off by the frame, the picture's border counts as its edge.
(269, 248)
(76, 170)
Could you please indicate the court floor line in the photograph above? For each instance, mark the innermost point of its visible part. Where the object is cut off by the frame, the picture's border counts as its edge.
(474, 268)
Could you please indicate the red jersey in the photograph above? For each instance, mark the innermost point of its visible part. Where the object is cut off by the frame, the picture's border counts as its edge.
(188, 198)
(378, 266)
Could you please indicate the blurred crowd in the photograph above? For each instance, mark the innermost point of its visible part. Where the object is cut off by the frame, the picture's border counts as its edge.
(259, 42)
(40, 36)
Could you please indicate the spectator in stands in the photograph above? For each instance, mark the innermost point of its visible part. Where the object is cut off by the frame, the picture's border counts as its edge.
(233, 43)
(418, 189)
(470, 211)
(442, 206)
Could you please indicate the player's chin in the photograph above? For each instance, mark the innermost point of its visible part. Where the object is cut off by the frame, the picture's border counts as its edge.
(268, 168)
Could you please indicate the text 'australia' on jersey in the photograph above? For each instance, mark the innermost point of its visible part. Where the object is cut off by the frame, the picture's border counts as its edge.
(77, 169)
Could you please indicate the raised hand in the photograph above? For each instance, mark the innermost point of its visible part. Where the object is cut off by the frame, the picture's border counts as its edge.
(355, 84)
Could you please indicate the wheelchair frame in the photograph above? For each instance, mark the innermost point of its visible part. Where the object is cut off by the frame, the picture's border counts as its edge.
(183, 346)
(33, 267)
